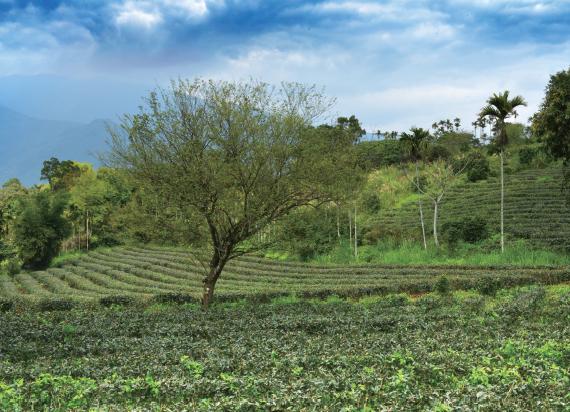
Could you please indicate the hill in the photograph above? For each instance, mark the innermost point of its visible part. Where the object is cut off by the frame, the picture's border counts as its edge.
(171, 274)
(26, 142)
(535, 208)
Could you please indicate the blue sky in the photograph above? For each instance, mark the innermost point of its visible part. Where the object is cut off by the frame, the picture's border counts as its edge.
(393, 63)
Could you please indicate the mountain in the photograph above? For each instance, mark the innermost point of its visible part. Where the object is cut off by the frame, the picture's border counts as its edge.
(25, 142)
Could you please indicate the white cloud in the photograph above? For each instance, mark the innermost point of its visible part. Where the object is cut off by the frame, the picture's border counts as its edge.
(191, 8)
(397, 11)
(433, 31)
(32, 50)
(139, 14)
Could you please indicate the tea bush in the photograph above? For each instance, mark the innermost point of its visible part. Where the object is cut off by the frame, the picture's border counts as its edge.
(432, 354)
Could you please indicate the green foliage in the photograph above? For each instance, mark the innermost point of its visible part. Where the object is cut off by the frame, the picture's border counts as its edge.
(437, 152)
(376, 154)
(457, 142)
(489, 285)
(477, 167)
(470, 229)
(442, 286)
(10, 266)
(133, 277)
(552, 121)
(60, 174)
(308, 232)
(511, 355)
(40, 229)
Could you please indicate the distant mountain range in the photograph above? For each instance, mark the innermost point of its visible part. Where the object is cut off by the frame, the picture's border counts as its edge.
(25, 142)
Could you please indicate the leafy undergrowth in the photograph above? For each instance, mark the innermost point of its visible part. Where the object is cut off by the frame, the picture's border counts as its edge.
(439, 352)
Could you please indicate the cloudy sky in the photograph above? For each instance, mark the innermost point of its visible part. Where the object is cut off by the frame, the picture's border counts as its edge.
(392, 63)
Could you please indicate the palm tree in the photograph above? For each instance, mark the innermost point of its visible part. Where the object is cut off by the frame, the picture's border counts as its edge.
(498, 108)
(415, 144)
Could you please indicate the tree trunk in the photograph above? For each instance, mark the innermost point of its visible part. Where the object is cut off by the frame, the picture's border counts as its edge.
(355, 236)
(338, 223)
(210, 284)
(435, 206)
(87, 229)
(421, 208)
(502, 204)
(349, 229)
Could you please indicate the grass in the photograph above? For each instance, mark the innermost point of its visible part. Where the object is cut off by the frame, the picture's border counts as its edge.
(412, 253)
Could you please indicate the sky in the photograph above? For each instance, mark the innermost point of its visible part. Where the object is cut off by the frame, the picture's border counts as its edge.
(394, 63)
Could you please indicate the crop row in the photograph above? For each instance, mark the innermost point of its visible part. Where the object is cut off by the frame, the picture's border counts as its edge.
(144, 273)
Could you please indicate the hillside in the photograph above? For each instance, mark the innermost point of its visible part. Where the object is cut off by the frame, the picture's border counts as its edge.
(26, 142)
(147, 273)
(535, 208)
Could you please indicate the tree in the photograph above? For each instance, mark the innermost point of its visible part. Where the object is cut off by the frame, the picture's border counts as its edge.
(40, 229)
(499, 107)
(10, 195)
(415, 144)
(440, 176)
(552, 121)
(239, 155)
(60, 174)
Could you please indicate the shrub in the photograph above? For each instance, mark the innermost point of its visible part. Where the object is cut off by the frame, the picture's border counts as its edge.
(48, 305)
(442, 286)
(178, 298)
(40, 229)
(438, 152)
(116, 300)
(469, 229)
(6, 305)
(478, 167)
(11, 266)
(488, 285)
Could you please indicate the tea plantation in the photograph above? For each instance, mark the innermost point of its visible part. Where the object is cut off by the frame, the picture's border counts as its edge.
(441, 352)
(158, 274)
(121, 329)
(535, 208)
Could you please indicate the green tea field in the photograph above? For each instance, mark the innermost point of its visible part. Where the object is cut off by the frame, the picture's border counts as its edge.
(169, 274)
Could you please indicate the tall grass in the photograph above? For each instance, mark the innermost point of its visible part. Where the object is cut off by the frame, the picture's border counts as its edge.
(412, 253)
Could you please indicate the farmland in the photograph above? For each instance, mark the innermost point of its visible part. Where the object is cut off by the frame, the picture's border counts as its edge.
(535, 208)
(172, 274)
(440, 352)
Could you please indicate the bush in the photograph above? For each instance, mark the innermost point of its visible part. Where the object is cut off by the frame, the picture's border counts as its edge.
(178, 298)
(442, 286)
(437, 152)
(488, 285)
(48, 305)
(40, 229)
(6, 305)
(478, 167)
(470, 229)
(116, 300)
(11, 266)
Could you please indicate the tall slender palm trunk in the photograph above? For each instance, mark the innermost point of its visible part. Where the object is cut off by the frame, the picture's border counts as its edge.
(435, 210)
(502, 203)
(421, 208)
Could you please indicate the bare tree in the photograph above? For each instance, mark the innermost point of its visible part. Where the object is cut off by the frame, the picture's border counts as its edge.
(415, 144)
(440, 176)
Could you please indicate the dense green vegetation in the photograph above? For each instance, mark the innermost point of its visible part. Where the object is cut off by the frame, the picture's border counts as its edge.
(441, 352)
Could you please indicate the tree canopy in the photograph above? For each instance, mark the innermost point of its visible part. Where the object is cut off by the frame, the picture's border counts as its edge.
(552, 121)
(238, 155)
